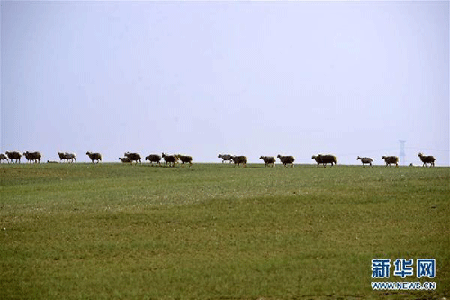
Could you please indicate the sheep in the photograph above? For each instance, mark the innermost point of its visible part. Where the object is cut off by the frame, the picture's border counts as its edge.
(316, 159)
(325, 159)
(14, 155)
(185, 159)
(71, 156)
(170, 159)
(390, 160)
(125, 160)
(365, 160)
(94, 156)
(153, 158)
(133, 156)
(426, 160)
(268, 160)
(62, 156)
(2, 157)
(286, 160)
(28, 156)
(225, 157)
(33, 156)
(240, 160)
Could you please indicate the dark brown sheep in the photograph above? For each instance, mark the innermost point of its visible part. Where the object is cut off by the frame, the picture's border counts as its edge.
(226, 157)
(154, 158)
(71, 156)
(94, 156)
(427, 160)
(66, 156)
(365, 160)
(268, 161)
(390, 160)
(185, 159)
(325, 159)
(170, 159)
(125, 160)
(240, 160)
(14, 155)
(286, 160)
(33, 156)
(62, 156)
(133, 156)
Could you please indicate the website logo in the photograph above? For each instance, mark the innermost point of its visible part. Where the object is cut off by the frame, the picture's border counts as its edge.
(403, 268)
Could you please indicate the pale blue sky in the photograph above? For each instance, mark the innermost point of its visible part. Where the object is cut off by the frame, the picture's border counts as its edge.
(248, 78)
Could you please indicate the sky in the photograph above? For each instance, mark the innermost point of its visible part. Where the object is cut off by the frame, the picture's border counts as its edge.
(246, 78)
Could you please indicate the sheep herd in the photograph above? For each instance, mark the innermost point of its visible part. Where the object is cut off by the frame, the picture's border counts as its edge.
(172, 160)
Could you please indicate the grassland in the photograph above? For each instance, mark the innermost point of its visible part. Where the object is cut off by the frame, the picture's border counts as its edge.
(112, 231)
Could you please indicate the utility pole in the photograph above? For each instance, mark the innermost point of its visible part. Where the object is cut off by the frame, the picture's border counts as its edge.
(402, 152)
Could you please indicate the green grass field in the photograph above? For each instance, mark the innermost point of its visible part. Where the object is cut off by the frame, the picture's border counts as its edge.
(213, 231)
